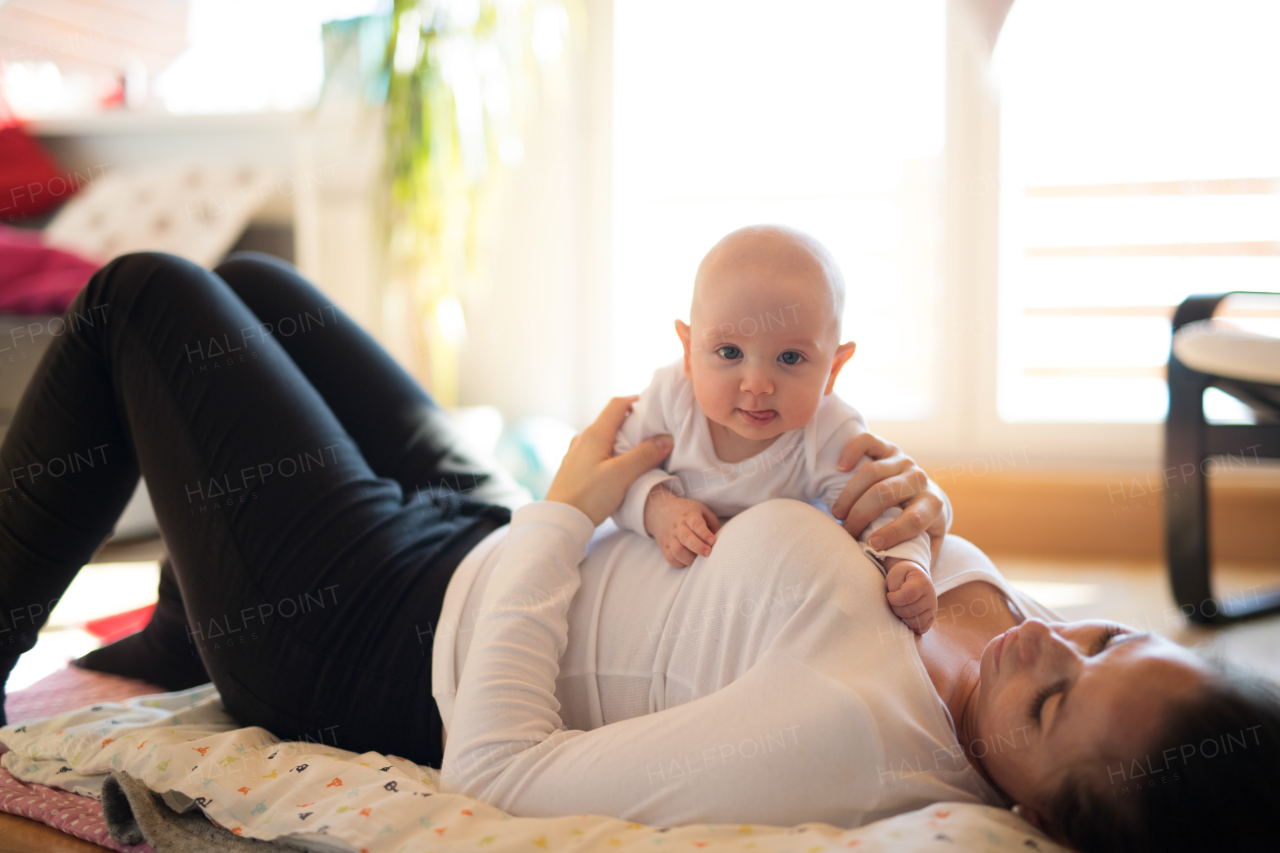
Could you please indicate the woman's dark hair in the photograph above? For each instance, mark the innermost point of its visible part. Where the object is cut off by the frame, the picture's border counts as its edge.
(1208, 782)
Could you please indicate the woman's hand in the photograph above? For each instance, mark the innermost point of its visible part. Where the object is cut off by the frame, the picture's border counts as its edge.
(591, 478)
(890, 479)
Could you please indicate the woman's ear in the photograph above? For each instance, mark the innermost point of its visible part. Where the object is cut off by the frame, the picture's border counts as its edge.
(686, 339)
(1033, 817)
(844, 352)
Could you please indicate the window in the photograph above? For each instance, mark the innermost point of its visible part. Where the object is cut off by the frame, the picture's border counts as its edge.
(251, 55)
(198, 56)
(1139, 163)
(826, 115)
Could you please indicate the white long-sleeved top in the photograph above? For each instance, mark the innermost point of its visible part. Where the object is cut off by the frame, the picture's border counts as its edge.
(800, 464)
(768, 683)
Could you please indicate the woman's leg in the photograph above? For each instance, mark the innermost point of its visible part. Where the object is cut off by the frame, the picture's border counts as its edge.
(309, 581)
(161, 653)
(402, 434)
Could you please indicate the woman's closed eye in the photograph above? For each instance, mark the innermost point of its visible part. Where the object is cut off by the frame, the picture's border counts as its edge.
(1112, 631)
(729, 353)
(1037, 704)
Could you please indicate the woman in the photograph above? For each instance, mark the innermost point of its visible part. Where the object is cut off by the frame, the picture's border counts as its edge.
(315, 505)
(774, 662)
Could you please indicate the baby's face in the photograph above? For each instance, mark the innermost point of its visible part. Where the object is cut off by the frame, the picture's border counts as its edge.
(760, 347)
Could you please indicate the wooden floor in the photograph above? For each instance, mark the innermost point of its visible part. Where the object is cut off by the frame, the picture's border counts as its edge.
(20, 835)
(124, 552)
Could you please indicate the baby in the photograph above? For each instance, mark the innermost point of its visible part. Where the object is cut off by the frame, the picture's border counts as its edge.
(751, 408)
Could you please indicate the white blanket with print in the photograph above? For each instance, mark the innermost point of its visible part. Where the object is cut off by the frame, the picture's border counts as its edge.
(323, 798)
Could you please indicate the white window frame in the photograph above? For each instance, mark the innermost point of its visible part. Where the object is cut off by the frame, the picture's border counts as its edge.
(966, 426)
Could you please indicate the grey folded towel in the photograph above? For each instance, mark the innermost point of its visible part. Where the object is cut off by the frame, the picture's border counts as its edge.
(170, 823)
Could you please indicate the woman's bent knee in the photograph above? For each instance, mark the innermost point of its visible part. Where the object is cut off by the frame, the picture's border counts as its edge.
(246, 261)
(124, 279)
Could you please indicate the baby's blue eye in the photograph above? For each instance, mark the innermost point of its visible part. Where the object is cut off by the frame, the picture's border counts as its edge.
(730, 352)
(790, 358)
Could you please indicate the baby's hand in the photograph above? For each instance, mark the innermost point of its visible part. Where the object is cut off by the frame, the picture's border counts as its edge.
(911, 594)
(685, 529)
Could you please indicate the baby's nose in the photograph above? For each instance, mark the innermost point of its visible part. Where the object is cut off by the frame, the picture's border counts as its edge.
(755, 383)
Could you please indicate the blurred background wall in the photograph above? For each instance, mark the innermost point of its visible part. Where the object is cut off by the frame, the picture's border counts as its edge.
(1019, 194)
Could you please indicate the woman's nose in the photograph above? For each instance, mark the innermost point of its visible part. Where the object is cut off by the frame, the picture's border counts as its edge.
(1037, 640)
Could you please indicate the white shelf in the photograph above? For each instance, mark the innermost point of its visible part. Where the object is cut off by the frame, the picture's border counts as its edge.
(125, 122)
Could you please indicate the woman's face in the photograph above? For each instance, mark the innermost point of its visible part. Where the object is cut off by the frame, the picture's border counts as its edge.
(1053, 695)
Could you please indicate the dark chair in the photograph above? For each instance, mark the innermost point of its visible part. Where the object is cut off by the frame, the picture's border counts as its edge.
(1190, 442)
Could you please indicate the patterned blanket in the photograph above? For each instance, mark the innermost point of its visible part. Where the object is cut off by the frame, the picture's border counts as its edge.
(318, 797)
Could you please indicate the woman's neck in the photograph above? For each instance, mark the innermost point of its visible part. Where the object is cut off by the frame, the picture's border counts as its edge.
(953, 657)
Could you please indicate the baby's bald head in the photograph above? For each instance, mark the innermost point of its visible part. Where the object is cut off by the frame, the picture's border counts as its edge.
(770, 262)
(762, 345)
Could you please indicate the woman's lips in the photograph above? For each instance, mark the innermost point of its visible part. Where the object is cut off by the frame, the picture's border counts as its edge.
(758, 418)
(1000, 641)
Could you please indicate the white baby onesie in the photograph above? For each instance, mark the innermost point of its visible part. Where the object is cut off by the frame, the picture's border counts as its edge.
(800, 464)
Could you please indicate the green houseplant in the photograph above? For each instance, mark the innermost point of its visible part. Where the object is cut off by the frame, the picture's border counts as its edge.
(461, 77)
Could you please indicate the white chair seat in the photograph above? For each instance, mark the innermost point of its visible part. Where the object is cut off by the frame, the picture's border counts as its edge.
(1218, 348)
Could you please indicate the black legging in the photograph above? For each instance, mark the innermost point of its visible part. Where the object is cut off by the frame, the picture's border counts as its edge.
(309, 493)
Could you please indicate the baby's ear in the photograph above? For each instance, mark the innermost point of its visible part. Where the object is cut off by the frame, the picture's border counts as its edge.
(844, 352)
(686, 340)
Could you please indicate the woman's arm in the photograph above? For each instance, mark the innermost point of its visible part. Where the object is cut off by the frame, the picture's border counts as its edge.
(891, 479)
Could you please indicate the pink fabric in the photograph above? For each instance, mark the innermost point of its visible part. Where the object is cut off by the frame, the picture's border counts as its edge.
(36, 279)
(66, 690)
(70, 813)
(69, 689)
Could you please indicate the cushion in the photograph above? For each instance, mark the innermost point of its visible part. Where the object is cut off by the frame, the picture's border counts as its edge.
(196, 211)
(35, 278)
(1219, 348)
(30, 182)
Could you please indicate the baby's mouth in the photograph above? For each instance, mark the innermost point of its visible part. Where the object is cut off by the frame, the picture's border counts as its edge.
(760, 418)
